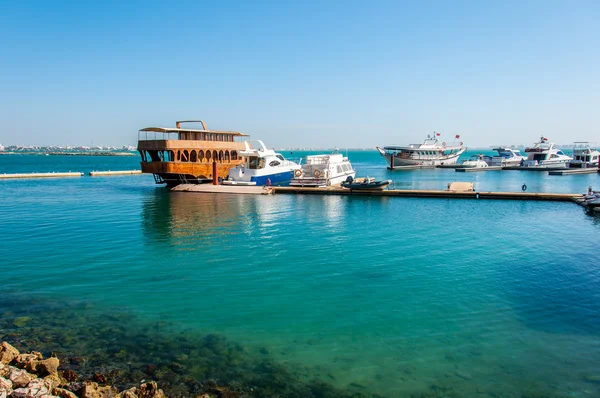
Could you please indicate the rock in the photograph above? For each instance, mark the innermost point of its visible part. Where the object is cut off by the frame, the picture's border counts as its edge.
(27, 361)
(53, 381)
(128, 393)
(463, 375)
(35, 389)
(62, 393)
(100, 378)
(70, 375)
(20, 378)
(92, 390)
(7, 353)
(150, 390)
(21, 321)
(6, 387)
(592, 379)
(48, 366)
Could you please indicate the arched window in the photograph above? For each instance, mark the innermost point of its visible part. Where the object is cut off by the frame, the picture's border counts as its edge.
(215, 156)
(201, 155)
(227, 157)
(234, 155)
(185, 156)
(193, 156)
(208, 156)
(221, 156)
(178, 156)
(171, 156)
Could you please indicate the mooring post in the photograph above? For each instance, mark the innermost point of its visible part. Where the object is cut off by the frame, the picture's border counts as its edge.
(392, 161)
(215, 176)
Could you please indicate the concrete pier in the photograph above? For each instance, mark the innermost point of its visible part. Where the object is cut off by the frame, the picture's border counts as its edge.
(568, 197)
(533, 168)
(40, 175)
(230, 189)
(573, 171)
(112, 173)
(410, 167)
(475, 169)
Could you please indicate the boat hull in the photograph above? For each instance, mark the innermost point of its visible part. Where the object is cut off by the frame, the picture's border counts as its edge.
(276, 178)
(396, 161)
(321, 182)
(377, 185)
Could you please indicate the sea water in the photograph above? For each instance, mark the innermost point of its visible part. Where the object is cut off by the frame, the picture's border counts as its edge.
(371, 295)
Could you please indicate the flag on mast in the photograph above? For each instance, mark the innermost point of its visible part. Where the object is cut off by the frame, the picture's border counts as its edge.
(457, 136)
(437, 134)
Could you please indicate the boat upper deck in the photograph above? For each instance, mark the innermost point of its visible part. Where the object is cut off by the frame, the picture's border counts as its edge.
(188, 134)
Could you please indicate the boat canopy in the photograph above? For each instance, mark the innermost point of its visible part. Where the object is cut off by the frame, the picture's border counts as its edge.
(179, 130)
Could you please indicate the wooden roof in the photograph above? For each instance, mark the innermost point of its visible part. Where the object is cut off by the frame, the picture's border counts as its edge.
(176, 130)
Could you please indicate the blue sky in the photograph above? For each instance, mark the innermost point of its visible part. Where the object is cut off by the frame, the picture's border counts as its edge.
(301, 74)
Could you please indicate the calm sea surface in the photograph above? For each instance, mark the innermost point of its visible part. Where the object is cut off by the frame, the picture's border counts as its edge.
(388, 296)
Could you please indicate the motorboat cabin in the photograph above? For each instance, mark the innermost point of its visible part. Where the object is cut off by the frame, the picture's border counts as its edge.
(544, 154)
(323, 170)
(263, 166)
(584, 155)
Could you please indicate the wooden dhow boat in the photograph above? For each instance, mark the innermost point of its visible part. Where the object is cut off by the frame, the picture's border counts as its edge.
(176, 155)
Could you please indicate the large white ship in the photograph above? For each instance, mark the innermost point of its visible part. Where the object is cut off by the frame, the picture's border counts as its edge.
(430, 153)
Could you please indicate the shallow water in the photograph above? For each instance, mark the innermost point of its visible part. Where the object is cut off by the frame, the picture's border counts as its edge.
(388, 296)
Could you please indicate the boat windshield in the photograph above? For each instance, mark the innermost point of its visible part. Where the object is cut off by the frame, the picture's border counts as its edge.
(255, 162)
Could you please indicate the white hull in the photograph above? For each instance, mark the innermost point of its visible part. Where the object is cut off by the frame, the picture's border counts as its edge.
(321, 182)
(401, 161)
(547, 163)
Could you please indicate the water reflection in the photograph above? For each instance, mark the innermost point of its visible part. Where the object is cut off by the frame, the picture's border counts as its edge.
(186, 218)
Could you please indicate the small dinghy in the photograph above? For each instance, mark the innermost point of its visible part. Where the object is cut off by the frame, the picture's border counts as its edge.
(365, 184)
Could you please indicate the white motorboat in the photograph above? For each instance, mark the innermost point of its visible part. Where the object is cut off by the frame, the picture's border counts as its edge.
(475, 161)
(584, 155)
(323, 170)
(544, 154)
(430, 153)
(263, 166)
(506, 157)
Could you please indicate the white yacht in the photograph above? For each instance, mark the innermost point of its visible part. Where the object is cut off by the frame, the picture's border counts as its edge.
(430, 153)
(506, 157)
(263, 166)
(545, 154)
(474, 162)
(584, 155)
(323, 170)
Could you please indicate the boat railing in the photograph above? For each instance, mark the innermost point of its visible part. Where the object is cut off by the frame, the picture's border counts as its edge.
(156, 136)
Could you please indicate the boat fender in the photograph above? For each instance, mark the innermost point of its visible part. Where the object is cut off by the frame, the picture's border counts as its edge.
(298, 173)
(524, 187)
(317, 173)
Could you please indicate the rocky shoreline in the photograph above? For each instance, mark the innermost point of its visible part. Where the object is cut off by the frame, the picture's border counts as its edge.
(31, 376)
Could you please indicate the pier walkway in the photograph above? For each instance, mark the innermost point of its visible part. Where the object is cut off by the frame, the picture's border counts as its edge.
(413, 193)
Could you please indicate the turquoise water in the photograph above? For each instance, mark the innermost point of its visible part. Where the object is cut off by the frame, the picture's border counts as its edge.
(389, 296)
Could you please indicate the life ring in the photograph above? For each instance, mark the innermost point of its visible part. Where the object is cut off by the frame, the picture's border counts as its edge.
(317, 173)
(298, 173)
(444, 144)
